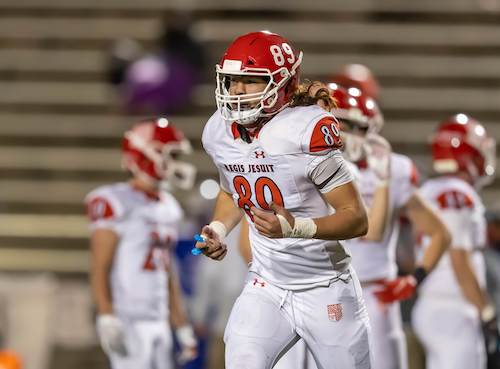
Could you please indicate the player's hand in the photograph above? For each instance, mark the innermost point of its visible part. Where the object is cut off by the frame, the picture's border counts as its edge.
(111, 334)
(213, 247)
(188, 342)
(267, 223)
(378, 156)
(490, 330)
(398, 289)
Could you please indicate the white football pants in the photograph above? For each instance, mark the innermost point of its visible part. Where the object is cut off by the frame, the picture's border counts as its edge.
(267, 320)
(450, 332)
(387, 336)
(149, 345)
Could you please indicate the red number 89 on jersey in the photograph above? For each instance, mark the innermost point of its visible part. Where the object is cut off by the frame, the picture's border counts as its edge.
(325, 136)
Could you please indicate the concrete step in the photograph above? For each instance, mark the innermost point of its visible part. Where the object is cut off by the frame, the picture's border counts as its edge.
(80, 158)
(386, 33)
(425, 6)
(319, 64)
(101, 95)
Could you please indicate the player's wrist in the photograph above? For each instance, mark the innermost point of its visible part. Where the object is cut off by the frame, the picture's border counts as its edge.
(382, 182)
(219, 228)
(420, 274)
(185, 336)
(487, 313)
(302, 228)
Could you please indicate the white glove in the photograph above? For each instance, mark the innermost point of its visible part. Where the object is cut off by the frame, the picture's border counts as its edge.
(189, 345)
(378, 157)
(111, 334)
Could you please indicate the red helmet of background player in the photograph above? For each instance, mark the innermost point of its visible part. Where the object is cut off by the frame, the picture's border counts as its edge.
(149, 152)
(359, 76)
(462, 144)
(354, 106)
(262, 54)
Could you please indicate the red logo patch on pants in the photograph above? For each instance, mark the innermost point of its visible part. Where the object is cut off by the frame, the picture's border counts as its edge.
(334, 312)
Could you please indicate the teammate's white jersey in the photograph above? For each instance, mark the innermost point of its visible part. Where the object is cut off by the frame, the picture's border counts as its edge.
(462, 210)
(147, 229)
(285, 163)
(377, 260)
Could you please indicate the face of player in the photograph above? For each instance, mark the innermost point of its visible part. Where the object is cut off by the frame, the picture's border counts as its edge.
(244, 85)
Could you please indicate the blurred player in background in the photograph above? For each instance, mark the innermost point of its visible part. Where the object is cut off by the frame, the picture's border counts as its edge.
(374, 258)
(281, 167)
(134, 230)
(452, 304)
(359, 76)
(310, 93)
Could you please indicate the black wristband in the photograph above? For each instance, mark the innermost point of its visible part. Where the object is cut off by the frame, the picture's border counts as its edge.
(420, 274)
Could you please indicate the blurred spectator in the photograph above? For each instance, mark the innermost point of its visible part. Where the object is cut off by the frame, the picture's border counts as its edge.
(160, 82)
(123, 53)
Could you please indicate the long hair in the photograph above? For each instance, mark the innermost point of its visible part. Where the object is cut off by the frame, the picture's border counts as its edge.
(304, 95)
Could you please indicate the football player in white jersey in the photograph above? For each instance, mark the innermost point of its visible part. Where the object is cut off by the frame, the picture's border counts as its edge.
(134, 228)
(374, 259)
(452, 303)
(281, 167)
(316, 92)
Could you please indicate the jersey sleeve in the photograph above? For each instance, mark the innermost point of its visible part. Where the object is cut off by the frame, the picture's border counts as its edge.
(321, 136)
(329, 171)
(459, 226)
(103, 211)
(458, 213)
(321, 143)
(406, 180)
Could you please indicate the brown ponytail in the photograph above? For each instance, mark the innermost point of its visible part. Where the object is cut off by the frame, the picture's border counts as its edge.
(303, 95)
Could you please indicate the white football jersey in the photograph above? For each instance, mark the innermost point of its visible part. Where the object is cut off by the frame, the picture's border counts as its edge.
(462, 210)
(281, 165)
(377, 260)
(147, 230)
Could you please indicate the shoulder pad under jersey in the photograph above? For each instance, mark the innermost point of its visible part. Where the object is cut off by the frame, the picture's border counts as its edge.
(297, 129)
(106, 203)
(215, 128)
(404, 168)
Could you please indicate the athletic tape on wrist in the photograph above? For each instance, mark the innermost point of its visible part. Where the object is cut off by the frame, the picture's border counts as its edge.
(219, 228)
(303, 228)
(185, 335)
(488, 313)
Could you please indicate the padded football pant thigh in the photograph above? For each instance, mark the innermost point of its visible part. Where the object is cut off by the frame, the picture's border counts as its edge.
(450, 334)
(388, 339)
(258, 330)
(334, 324)
(149, 345)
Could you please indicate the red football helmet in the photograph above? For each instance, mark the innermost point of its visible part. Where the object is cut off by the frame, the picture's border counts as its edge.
(462, 144)
(149, 152)
(353, 116)
(357, 108)
(262, 54)
(348, 106)
(359, 76)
